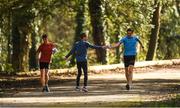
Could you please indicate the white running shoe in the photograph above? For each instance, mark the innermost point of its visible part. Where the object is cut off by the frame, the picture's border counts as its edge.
(77, 88)
(85, 89)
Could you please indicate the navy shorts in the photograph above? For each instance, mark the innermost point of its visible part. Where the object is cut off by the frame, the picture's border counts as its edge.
(129, 60)
(44, 65)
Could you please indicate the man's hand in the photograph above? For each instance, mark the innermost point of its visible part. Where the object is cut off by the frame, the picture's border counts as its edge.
(37, 56)
(143, 48)
(65, 58)
(104, 47)
(109, 46)
(114, 45)
(54, 50)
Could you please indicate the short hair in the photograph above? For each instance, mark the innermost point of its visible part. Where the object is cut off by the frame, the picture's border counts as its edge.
(129, 29)
(44, 36)
(82, 35)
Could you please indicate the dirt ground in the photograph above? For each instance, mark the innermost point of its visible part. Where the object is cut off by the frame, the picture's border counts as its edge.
(105, 89)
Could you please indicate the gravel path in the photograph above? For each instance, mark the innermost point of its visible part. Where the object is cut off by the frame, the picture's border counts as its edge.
(153, 85)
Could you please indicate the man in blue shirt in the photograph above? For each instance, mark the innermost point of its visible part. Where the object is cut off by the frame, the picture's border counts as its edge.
(130, 44)
(80, 51)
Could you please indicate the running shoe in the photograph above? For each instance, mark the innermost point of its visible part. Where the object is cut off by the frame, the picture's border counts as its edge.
(85, 89)
(47, 88)
(127, 87)
(44, 89)
(77, 88)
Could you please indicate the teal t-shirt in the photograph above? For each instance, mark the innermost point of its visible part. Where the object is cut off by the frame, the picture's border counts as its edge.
(130, 45)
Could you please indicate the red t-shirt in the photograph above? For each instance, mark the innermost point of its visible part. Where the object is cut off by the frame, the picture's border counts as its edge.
(46, 52)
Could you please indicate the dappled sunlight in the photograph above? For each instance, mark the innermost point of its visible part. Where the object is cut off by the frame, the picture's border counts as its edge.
(149, 86)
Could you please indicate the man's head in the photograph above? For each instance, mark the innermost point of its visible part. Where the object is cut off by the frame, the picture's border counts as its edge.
(84, 36)
(45, 38)
(130, 31)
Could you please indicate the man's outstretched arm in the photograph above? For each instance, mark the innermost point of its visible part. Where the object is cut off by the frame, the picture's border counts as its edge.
(95, 46)
(71, 52)
(140, 43)
(114, 46)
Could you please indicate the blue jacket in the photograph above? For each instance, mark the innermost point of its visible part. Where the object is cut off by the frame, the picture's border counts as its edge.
(80, 50)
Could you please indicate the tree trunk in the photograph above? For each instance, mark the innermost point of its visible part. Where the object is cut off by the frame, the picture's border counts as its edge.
(178, 6)
(21, 32)
(20, 48)
(80, 21)
(33, 63)
(154, 33)
(117, 49)
(9, 37)
(98, 30)
(168, 54)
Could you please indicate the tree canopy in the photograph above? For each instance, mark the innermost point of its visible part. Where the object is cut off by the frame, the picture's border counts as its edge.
(22, 22)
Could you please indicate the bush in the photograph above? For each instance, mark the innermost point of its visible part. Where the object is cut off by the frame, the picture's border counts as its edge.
(6, 68)
(58, 58)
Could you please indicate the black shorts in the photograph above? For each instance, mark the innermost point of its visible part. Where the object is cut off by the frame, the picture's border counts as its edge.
(44, 65)
(129, 60)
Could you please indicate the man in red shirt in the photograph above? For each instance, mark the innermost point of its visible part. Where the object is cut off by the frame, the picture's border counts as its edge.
(44, 53)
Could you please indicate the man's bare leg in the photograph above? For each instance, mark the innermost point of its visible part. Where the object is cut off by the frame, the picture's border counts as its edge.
(42, 77)
(131, 67)
(127, 78)
(46, 80)
(46, 76)
(127, 74)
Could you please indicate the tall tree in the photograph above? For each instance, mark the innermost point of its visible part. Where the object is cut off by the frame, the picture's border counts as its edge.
(33, 63)
(117, 49)
(81, 23)
(170, 26)
(6, 12)
(154, 32)
(9, 43)
(178, 6)
(96, 11)
(22, 17)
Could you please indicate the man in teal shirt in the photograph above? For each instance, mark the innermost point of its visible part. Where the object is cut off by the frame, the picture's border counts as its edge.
(130, 50)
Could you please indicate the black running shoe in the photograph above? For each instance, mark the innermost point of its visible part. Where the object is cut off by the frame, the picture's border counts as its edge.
(127, 87)
(44, 89)
(47, 89)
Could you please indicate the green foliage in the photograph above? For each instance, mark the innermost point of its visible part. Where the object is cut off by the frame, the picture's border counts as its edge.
(169, 40)
(58, 58)
(6, 68)
(128, 14)
(63, 20)
(58, 61)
